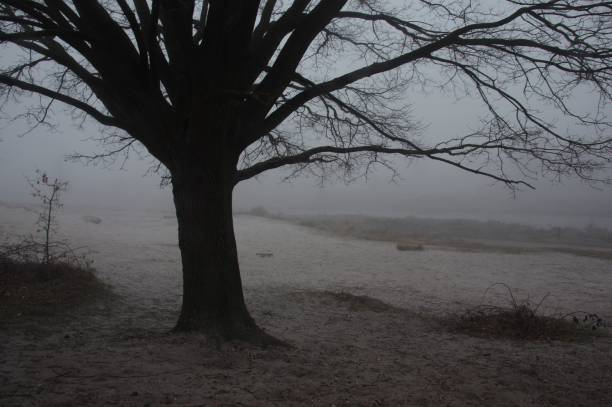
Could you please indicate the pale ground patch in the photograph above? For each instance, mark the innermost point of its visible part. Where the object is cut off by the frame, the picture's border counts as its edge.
(347, 351)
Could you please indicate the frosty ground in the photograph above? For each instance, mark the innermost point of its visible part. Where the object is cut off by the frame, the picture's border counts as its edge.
(366, 322)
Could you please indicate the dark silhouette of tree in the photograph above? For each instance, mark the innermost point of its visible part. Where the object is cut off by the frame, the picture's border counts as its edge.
(221, 91)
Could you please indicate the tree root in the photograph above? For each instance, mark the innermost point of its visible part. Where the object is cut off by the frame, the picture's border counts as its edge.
(219, 333)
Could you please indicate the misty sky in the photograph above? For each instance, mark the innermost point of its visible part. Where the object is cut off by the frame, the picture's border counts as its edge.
(425, 188)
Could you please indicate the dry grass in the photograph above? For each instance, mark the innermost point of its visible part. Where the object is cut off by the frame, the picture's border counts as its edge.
(515, 323)
(38, 288)
(359, 302)
(523, 321)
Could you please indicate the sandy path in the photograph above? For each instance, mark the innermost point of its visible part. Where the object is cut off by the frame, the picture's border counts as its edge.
(120, 353)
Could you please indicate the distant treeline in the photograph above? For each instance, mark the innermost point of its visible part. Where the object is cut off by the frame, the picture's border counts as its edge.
(413, 228)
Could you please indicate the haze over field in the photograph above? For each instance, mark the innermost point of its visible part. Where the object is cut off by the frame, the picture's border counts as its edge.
(424, 188)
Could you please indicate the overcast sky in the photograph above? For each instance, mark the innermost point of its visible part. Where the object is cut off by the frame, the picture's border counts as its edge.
(425, 189)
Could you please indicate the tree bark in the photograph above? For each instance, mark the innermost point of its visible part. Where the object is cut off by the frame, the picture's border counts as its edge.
(212, 288)
(213, 301)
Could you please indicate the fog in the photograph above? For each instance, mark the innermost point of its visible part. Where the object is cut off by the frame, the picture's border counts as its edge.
(423, 188)
(416, 283)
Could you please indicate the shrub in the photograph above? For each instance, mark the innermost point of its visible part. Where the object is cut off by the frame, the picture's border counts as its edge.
(46, 248)
(34, 287)
(522, 320)
(40, 271)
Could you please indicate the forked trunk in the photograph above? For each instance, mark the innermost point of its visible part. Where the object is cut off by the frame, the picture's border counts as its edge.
(213, 301)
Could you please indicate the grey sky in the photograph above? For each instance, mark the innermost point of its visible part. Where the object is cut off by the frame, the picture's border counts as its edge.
(425, 188)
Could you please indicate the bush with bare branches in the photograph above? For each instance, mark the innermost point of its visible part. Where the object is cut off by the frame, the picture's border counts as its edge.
(523, 320)
(44, 247)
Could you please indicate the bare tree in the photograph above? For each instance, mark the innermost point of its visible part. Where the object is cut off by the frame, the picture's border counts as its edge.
(48, 193)
(221, 91)
(46, 249)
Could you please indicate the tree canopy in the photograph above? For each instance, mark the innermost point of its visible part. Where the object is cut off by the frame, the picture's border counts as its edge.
(324, 84)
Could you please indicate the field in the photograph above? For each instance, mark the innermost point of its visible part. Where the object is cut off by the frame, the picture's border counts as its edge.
(368, 324)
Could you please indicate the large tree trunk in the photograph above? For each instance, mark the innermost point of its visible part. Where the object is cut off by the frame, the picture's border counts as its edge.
(213, 301)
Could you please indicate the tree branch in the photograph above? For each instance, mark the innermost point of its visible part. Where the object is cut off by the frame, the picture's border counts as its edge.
(90, 110)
